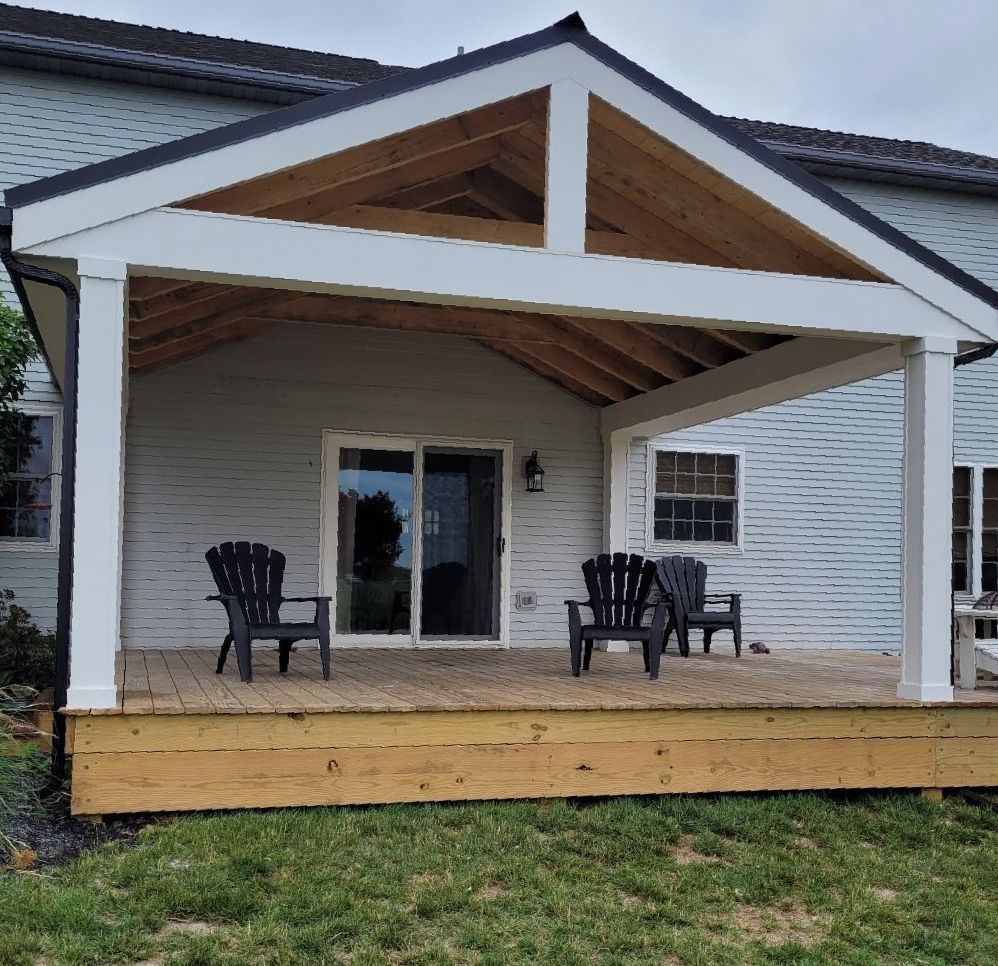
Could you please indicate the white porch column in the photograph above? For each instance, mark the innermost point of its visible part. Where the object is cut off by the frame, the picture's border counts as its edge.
(567, 164)
(927, 520)
(94, 621)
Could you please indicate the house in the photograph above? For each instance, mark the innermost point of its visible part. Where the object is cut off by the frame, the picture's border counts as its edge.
(368, 309)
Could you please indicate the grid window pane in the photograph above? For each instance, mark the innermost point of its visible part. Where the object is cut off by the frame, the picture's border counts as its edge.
(962, 529)
(26, 496)
(695, 497)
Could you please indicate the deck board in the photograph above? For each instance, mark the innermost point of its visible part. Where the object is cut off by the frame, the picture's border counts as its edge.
(183, 681)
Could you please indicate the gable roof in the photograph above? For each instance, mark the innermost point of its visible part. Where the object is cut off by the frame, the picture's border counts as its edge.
(44, 38)
(570, 30)
(69, 43)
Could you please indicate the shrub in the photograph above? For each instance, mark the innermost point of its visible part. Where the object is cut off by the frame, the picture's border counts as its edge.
(27, 654)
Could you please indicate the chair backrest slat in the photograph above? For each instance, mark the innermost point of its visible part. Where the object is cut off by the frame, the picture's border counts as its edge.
(686, 579)
(618, 588)
(633, 577)
(254, 574)
(619, 567)
(605, 601)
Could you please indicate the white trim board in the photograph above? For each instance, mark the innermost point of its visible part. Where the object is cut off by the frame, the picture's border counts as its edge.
(264, 252)
(167, 184)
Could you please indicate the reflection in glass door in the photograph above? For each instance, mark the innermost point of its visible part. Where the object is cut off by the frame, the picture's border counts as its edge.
(374, 541)
(461, 544)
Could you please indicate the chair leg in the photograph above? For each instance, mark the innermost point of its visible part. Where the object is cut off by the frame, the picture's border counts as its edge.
(283, 655)
(707, 635)
(575, 646)
(656, 644)
(243, 656)
(736, 631)
(587, 656)
(223, 654)
(644, 648)
(322, 619)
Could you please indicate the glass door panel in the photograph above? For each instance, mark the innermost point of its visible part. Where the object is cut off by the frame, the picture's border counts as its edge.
(461, 544)
(374, 546)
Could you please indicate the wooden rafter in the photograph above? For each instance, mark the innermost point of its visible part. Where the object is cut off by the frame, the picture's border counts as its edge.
(598, 360)
(271, 195)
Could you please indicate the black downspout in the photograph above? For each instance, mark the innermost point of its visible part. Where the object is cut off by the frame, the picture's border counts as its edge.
(19, 273)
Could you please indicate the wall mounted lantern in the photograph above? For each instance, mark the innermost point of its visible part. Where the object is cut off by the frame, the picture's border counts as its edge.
(534, 473)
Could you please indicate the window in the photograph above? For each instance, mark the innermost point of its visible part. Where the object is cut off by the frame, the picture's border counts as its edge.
(695, 497)
(963, 529)
(26, 498)
(989, 530)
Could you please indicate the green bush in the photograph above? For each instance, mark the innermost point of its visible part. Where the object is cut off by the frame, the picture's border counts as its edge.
(27, 654)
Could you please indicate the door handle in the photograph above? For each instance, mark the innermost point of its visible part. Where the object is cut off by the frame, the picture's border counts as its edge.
(500, 545)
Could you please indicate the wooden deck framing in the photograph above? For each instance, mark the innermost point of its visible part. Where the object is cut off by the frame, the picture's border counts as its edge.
(433, 725)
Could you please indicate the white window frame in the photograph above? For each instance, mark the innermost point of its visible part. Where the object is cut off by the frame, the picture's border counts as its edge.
(52, 544)
(332, 441)
(976, 523)
(686, 547)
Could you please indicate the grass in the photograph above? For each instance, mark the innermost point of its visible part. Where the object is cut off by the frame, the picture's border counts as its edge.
(738, 879)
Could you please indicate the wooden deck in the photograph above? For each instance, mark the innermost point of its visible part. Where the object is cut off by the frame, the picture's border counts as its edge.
(414, 725)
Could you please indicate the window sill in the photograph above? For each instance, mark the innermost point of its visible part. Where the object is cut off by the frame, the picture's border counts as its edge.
(22, 546)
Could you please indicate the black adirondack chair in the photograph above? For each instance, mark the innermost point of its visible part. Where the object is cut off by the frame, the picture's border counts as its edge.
(618, 589)
(685, 580)
(249, 578)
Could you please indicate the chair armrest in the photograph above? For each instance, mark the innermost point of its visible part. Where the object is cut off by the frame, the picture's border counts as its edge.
(224, 598)
(579, 603)
(303, 600)
(721, 596)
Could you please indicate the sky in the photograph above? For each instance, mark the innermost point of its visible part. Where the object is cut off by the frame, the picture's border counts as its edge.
(921, 70)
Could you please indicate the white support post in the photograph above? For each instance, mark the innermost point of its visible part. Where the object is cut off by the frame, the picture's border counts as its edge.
(616, 447)
(926, 601)
(567, 163)
(96, 600)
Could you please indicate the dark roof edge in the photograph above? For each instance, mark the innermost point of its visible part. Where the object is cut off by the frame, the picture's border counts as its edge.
(866, 163)
(22, 50)
(783, 166)
(569, 30)
(288, 117)
(70, 52)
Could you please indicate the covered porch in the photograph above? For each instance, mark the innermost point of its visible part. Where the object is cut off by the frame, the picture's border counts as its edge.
(534, 247)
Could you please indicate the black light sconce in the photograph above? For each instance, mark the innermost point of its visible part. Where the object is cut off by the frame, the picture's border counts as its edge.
(534, 473)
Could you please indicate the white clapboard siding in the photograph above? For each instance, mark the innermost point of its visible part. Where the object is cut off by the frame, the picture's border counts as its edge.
(51, 123)
(820, 562)
(227, 447)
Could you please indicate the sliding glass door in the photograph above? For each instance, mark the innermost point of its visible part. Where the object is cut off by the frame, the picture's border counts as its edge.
(413, 540)
(461, 544)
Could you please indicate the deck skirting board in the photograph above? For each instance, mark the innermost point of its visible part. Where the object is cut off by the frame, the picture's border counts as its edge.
(132, 763)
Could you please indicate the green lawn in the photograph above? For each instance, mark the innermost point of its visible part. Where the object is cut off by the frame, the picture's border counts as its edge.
(739, 879)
